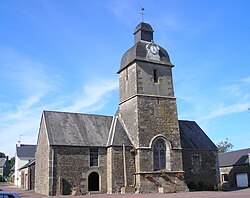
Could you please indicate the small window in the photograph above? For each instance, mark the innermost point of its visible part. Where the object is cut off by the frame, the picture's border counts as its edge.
(94, 157)
(224, 177)
(155, 76)
(126, 71)
(196, 163)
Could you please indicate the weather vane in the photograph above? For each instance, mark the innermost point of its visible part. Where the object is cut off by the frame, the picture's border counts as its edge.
(142, 14)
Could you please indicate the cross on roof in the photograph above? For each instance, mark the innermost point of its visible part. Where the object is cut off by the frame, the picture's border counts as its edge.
(142, 14)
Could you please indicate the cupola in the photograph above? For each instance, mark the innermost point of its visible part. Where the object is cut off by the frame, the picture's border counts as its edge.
(143, 31)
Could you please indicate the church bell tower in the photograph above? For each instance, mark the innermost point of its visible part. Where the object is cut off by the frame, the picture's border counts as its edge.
(148, 112)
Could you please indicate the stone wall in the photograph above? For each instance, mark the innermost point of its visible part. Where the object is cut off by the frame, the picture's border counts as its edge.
(42, 161)
(154, 79)
(157, 116)
(128, 115)
(109, 170)
(115, 176)
(32, 177)
(148, 111)
(200, 167)
(127, 83)
(232, 171)
(151, 182)
(72, 169)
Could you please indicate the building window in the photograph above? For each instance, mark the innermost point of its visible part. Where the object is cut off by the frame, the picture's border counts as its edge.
(126, 71)
(93, 156)
(155, 76)
(224, 177)
(196, 163)
(159, 152)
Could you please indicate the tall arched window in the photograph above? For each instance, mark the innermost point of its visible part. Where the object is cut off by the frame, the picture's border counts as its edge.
(159, 151)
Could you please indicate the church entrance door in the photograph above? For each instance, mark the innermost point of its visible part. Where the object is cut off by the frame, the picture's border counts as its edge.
(93, 182)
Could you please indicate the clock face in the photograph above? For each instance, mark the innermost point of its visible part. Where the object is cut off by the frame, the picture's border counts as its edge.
(153, 49)
(153, 52)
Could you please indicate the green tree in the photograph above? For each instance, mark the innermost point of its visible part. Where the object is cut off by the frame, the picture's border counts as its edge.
(224, 146)
(2, 154)
(12, 161)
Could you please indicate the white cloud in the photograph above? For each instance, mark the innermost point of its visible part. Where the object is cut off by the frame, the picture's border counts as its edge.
(247, 80)
(124, 10)
(21, 109)
(39, 91)
(93, 96)
(119, 7)
(171, 22)
(231, 109)
(234, 90)
(214, 102)
(27, 75)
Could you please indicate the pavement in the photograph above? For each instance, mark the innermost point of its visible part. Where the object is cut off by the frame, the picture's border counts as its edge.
(9, 187)
(244, 193)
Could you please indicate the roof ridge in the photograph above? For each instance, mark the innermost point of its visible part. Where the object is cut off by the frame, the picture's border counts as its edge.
(235, 151)
(187, 120)
(67, 112)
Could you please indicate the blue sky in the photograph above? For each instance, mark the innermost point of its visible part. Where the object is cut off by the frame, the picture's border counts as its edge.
(64, 55)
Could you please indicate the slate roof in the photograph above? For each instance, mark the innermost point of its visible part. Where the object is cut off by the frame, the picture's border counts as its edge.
(118, 134)
(139, 52)
(2, 161)
(26, 150)
(234, 158)
(144, 27)
(193, 137)
(76, 129)
(28, 164)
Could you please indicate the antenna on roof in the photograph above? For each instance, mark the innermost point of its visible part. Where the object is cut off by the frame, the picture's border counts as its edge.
(20, 137)
(142, 14)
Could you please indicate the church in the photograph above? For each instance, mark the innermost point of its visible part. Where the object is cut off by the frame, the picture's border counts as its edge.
(143, 148)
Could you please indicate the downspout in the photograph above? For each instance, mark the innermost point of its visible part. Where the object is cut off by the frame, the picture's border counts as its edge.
(52, 172)
(218, 167)
(124, 164)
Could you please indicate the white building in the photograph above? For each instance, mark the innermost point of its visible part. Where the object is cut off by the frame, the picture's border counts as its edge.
(24, 154)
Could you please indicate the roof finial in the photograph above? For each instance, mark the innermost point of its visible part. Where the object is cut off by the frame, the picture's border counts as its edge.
(142, 14)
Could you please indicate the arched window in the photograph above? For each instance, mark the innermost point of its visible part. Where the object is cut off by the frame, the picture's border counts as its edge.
(159, 151)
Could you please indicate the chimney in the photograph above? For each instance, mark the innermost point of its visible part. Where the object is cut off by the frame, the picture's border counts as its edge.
(18, 143)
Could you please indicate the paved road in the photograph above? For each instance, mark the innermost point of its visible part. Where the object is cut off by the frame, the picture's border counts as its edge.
(245, 193)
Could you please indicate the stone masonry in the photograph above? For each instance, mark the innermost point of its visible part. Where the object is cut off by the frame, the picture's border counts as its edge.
(161, 153)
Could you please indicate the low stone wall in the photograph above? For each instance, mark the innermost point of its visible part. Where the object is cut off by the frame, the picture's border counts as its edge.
(163, 182)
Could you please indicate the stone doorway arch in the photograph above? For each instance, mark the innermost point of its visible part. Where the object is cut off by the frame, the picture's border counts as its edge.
(93, 182)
